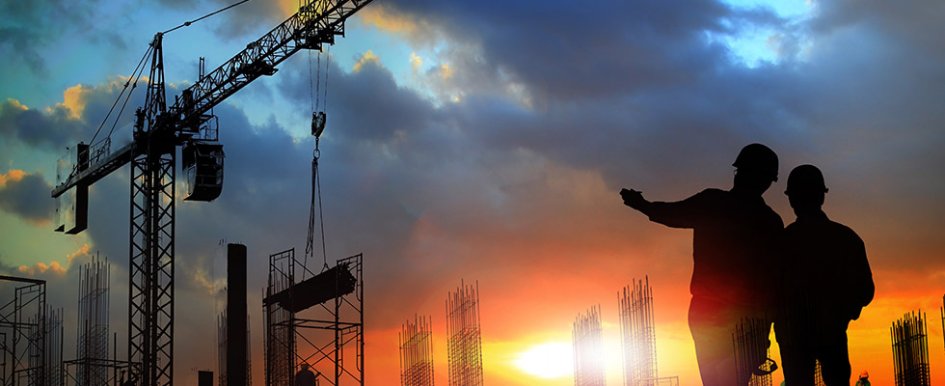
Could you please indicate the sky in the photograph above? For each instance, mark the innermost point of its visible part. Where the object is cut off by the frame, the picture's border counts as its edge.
(486, 142)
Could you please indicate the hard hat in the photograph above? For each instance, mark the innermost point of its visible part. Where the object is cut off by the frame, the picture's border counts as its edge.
(760, 158)
(864, 375)
(806, 178)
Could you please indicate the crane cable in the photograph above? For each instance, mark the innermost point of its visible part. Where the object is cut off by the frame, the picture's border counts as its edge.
(315, 202)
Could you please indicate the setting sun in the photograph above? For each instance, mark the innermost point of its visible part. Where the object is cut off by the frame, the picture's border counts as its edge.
(547, 360)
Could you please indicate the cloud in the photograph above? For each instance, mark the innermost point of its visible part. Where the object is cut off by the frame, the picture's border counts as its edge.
(26, 195)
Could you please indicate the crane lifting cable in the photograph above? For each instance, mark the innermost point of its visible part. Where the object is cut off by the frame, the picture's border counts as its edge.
(318, 127)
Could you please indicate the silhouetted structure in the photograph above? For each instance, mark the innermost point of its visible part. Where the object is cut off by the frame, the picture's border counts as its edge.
(92, 328)
(818, 376)
(638, 336)
(237, 351)
(750, 343)
(332, 330)
(416, 352)
(910, 350)
(23, 334)
(222, 352)
(464, 345)
(204, 378)
(159, 129)
(942, 311)
(588, 349)
(54, 334)
(92, 364)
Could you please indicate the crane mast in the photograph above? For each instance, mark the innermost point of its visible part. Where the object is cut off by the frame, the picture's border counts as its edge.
(158, 131)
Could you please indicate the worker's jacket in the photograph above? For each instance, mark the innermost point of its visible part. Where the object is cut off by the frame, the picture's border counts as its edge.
(735, 238)
(825, 276)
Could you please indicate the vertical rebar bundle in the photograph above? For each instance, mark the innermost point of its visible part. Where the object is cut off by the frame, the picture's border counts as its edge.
(464, 347)
(910, 350)
(750, 341)
(818, 375)
(588, 349)
(638, 334)
(416, 352)
(54, 334)
(92, 328)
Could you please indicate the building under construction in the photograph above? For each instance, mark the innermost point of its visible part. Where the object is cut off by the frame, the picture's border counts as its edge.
(910, 350)
(416, 352)
(464, 345)
(750, 344)
(638, 336)
(588, 349)
(25, 358)
(318, 320)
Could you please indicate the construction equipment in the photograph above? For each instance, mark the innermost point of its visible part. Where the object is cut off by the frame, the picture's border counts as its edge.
(158, 130)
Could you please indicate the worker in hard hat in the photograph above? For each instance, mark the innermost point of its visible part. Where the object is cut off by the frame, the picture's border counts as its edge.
(734, 244)
(826, 281)
(864, 379)
(305, 377)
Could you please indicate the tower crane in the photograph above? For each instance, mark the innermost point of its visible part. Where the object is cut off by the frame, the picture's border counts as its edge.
(190, 124)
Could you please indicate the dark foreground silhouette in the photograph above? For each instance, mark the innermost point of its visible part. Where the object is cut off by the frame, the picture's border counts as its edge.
(825, 282)
(305, 377)
(735, 238)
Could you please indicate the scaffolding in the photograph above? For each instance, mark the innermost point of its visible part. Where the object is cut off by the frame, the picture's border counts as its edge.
(818, 374)
(464, 345)
(416, 352)
(910, 350)
(750, 343)
(222, 350)
(588, 349)
(23, 345)
(638, 336)
(318, 321)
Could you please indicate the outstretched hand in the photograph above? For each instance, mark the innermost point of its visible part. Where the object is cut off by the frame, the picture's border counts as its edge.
(632, 198)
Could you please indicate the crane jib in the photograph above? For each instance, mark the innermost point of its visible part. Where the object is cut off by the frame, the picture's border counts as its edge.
(309, 28)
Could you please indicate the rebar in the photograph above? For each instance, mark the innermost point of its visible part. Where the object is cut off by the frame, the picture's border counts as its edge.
(416, 352)
(588, 349)
(464, 347)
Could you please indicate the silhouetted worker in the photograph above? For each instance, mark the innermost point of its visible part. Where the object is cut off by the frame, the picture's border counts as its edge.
(305, 377)
(124, 381)
(864, 379)
(826, 283)
(734, 236)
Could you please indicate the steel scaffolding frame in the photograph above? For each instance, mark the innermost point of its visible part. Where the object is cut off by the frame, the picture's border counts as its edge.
(416, 352)
(464, 345)
(23, 331)
(588, 349)
(325, 330)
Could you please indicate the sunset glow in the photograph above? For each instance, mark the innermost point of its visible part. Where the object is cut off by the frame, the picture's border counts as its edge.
(547, 360)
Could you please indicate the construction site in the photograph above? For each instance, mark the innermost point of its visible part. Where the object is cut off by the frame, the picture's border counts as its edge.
(313, 316)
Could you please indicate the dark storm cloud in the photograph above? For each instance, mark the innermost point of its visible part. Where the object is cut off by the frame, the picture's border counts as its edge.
(25, 28)
(28, 198)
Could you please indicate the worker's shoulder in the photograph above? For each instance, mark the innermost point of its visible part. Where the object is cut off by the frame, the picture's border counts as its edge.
(844, 231)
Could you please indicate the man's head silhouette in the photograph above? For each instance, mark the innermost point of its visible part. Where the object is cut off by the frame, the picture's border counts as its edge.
(756, 167)
(806, 188)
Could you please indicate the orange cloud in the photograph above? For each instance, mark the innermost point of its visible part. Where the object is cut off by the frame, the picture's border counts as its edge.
(14, 175)
(367, 57)
(74, 101)
(42, 267)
